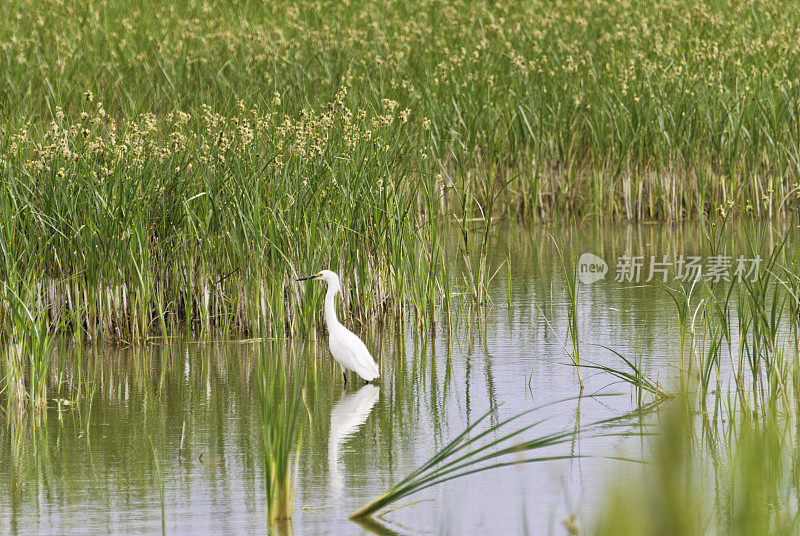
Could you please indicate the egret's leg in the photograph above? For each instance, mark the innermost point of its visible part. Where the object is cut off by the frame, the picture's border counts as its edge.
(345, 378)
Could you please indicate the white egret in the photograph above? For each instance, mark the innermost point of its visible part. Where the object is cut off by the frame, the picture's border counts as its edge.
(347, 349)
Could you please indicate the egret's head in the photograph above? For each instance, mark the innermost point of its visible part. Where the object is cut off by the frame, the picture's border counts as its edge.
(326, 275)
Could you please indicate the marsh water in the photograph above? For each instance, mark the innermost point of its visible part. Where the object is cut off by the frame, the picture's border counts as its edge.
(181, 421)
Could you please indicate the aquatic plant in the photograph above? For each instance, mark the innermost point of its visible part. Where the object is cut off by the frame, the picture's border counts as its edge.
(727, 468)
(483, 448)
(569, 267)
(733, 479)
(150, 197)
(28, 349)
(608, 118)
(280, 398)
(633, 374)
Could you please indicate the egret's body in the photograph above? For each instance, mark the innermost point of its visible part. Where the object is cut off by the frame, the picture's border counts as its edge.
(347, 349)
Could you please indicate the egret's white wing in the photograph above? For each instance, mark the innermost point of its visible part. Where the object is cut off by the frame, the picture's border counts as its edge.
(352, 353)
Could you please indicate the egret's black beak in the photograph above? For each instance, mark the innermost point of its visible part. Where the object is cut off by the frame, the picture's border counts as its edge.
(307, 277)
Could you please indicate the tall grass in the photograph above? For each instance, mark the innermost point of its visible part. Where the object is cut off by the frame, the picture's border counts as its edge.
(742, 329)
(632, 373)
(597, 109)
(172, 166)
(179, 224)
(737, 480)
(481, 447)
(180, 177)
(569, 267)
(730, 470)
(28, 351)
(280, 399)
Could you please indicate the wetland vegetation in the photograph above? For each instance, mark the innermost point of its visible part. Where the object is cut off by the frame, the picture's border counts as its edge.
(168, 170)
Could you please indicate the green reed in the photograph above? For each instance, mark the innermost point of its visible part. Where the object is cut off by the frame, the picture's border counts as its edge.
(600, 118)
(280, 398)
(682, 294)
(733, 479)
(29, 350)
(632, 373)
(569, 267)
(178, 229)
(728, 470)
(141, 198)
(483, 447)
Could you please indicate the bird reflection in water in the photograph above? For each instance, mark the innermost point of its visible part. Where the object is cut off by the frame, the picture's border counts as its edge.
(347, 415)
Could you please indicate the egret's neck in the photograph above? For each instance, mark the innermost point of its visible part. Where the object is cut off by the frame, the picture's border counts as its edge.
(330, 305)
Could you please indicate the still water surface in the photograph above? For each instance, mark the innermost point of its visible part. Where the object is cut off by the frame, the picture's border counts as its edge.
(93, 469)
